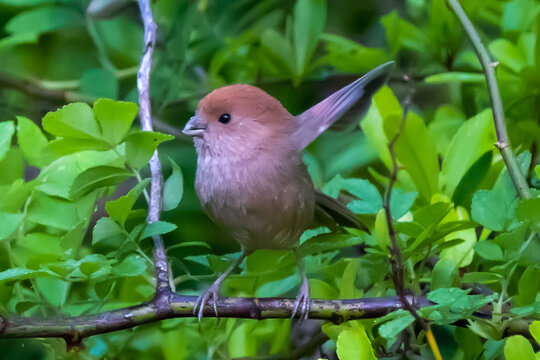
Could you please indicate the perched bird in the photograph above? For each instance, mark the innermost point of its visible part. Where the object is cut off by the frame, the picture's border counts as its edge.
(250, 178)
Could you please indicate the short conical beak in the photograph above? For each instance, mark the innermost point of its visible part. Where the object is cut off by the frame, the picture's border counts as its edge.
(194, 127)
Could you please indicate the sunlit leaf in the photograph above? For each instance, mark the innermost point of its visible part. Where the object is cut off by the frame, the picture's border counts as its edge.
(354, 344)
(173, 188)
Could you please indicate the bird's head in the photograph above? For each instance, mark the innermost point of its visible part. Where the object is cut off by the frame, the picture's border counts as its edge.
(237, 119)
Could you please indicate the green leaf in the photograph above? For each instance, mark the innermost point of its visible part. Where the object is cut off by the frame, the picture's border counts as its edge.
(44, 19)
(349, 56)
(400, 33)
(490, 210)
(173, 188)
(537, 170)
(384, 104)
(504, 187)
(97, 177)
(17, 274)
(99, 83)
(140, 147)
(528, 211)
(12, 167)
(494, 349)
(488, 250)
(19, 38)
(33, 248)
(157, 228)
(432, 214)
(74, 120)
(347, 288)
(7, 128)
(241, 341)
(400, 320)
(458, 301)
(279, 53)
(369, 202)
(415, 148)
(448, 119)
(9, 223)
(508, 54)
(14, 195)
(31, 141)
(471, 141)
(456, 77)
(461, 254)
(480, 278)
(329, 242)
(27, 3)
(401, 202)
(444, 275)
(528, 286)
(518, 348)
(115, 118)
(534, 328)
(133, 265)
(54, 291)
(518, 15)
(471, 180)
(59, 213)
(67, 146)
(309, 20)
(107, 229)
(58, 177)
(120, 208)
(311, 233)
(381, 231)
(278, 287)
(354, 344)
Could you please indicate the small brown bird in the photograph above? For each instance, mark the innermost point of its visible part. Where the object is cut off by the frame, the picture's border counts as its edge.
(250, 178)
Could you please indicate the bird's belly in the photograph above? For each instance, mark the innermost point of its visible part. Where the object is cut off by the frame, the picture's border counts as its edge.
(258, 208)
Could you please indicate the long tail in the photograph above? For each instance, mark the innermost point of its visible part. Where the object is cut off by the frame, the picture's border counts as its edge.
(318, 118)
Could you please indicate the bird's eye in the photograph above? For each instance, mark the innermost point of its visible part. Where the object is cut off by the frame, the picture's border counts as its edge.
(224, 118)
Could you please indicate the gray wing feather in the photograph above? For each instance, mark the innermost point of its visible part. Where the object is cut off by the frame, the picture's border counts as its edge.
(318, 118)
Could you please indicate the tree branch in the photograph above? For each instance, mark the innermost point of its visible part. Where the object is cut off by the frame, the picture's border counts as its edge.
(163, 289)
(74, 329)
(503, 141)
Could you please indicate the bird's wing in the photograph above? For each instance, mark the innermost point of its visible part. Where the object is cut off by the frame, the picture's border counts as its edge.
(318, 118)
(331, 212)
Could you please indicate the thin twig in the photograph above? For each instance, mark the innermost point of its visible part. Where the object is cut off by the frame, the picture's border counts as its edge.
(74, 329)
(503, 141)
(163, 289)
(396, 260)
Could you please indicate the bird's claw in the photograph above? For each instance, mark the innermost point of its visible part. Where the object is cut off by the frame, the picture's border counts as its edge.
(213, 294)
(302, 303)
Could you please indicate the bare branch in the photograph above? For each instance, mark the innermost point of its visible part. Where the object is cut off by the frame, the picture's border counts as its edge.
(74, 329)
(163, 289)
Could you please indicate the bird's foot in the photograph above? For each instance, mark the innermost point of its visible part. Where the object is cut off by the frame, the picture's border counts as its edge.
(302, 304)
(210, 295)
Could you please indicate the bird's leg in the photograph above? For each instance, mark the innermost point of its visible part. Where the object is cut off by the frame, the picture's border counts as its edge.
(213, 291)
(302, 304)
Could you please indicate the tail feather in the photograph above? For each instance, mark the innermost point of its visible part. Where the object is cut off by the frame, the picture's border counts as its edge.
(332, 213)
(318, 118)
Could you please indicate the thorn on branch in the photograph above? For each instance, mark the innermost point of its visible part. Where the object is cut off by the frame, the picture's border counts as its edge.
(501, 145)
(74, 341)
